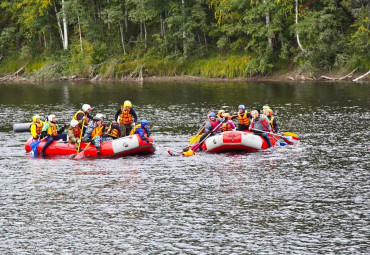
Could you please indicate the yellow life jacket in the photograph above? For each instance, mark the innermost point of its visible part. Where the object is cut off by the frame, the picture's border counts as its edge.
(97, 132)
(226, 126)
(243, 119)
(52, 130)
(134, 129)
(125, 117)
(188, 153)
(77, 113)
(38, 128)
(272, 122)
(114, 132)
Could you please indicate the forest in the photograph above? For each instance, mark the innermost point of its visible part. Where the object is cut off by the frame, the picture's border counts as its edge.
(50, 39)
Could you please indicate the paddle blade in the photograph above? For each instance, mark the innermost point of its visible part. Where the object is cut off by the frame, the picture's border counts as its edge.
(79, 155)
(194, 139)
(33, 146)
(290, 134)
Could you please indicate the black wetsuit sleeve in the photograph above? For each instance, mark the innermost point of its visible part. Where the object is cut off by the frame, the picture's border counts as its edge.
(117, 114)
(133, 113)
(90, 116)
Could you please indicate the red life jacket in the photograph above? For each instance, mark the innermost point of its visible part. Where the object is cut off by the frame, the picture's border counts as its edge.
(214, 124)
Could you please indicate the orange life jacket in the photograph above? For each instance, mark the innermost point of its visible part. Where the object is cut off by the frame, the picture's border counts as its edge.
(125, 117)
(114, 132)
(243, 119)
(95, 132)
(52, 130)
(226, 127)
(77, 131)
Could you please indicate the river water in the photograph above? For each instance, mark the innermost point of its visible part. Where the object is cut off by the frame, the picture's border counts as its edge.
(311, 198)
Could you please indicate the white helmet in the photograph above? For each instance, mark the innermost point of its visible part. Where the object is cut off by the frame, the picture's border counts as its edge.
(86, 107)
(74, 123)
(50, 117)
(99, 115)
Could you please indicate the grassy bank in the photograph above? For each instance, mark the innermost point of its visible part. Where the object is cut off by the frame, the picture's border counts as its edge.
(84, 66)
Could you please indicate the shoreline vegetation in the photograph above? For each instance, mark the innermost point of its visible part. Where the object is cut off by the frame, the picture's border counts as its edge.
(188, 40)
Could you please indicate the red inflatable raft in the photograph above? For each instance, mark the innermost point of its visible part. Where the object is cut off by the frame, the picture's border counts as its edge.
(125, 146)
(236, 141)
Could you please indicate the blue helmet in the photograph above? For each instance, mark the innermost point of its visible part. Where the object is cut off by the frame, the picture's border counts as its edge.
(241, 107)
(212, 114)
(144, 123)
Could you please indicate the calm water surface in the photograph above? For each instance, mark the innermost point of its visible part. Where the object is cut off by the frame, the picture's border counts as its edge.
(312, 198)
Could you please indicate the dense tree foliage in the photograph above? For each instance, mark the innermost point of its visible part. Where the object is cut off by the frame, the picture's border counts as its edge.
(82, 35)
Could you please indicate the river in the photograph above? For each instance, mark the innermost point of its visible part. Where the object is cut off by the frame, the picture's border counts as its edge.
(310, 198)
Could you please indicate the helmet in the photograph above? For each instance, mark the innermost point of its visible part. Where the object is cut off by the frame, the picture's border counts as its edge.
(99, 115)
(266, 107)
(74, 123)
(50, 117)
(127, 104)
(212, 114)
(34, 118)
(86, 107)
(241, 107)
(144, 122)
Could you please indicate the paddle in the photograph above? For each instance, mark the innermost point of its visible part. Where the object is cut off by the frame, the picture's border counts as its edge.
(290, 134)
(82, 129)
(34, 145)
(285, 139)
(196, 146)
(196, 138)
(81, 154)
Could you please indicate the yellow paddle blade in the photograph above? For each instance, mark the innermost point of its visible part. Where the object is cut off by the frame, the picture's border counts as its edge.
(194, 139)
(289, 134)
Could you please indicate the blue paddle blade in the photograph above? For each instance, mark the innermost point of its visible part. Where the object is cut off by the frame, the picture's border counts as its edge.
(282, 144)
(33, 146)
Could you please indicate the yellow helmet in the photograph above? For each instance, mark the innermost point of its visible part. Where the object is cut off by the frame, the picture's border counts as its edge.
(34, 118)
(188, 152)
(127, 104)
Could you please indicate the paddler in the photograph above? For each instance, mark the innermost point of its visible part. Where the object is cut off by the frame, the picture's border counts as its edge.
(83, 114)
(261, 127)
(127, 118)
(142, 130)
(74, 133)
(53, 132)
(94, 129)
(36, 127)
(244, 118)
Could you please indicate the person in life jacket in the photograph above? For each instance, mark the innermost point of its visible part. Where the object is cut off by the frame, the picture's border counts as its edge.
(212, 127)
(94, 129)
(113, 130)
(83, 114)
(229, 125)
(244, 118)
(101, 117)
(272, 120)
(36, 127)
(52, 132)
(74, 133)
(261, 127)
(143, 130)
(126, 117)
(187, 152)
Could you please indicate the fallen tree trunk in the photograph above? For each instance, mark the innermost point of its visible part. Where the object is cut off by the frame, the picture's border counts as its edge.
(348, 74)
(362, 76)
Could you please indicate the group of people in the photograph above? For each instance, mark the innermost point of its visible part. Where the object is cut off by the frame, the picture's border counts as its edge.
(260, 122)
(84, 127)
